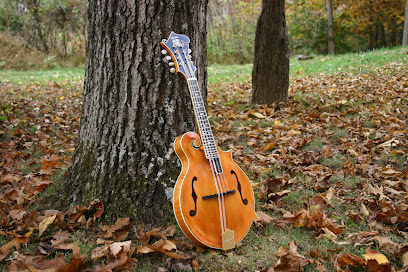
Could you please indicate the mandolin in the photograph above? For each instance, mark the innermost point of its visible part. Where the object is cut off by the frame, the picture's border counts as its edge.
(213, 199)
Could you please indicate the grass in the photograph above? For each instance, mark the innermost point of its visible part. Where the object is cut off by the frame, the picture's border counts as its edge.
(42, 77)
(315, 145)
(231, 73)
(361, 63)
(365, 62)
(334, 162)
(338, 133)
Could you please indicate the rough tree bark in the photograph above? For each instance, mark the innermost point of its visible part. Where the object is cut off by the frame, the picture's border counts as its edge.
(330, 31)
(133, 108)
(270, 74)
(405, 35)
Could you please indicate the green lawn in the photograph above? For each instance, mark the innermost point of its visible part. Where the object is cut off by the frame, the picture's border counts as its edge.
(365, 62)
(42, 77)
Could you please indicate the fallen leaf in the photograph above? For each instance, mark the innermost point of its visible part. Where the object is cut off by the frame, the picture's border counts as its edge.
(115, 248)
(363, 210)
(257, 115)
(45, 223)
(389, 246)
(169, 231)
(269, 146)
(349, 259)
(264, 219)
(405, 260)
(71, 246)
(142, 249)
(99, 252)
(16, 242)
(374, 255)
(169, 246)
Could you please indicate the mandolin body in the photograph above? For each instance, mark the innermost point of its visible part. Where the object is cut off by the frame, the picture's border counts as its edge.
(196, 202)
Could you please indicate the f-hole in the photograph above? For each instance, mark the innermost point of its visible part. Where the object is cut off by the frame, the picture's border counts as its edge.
(194, 195)
(245, 201)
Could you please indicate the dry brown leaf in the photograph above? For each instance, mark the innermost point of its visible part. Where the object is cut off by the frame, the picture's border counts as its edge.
(374, 255)
(389, 246)
(76, 263)
(300, 218)
(16, 242)
(405, 260)
(169, 231)
(264, 219)
(329, 234)
(363, 210)
(49, 165)
(142, 249)
(188, 262)
(45, 223)
(169, 246)
(120, 224)
(60, 238)
(330, 193)
(17, 214)
(99, 252)
(290, 260)
(257, 115)
(37, 263)
(349, 259)
(71, 246)
(115, 248)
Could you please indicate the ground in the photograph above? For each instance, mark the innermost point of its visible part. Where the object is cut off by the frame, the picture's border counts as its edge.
(329, 170)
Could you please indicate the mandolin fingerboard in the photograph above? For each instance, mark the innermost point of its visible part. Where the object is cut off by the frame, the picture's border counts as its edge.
(207, 137)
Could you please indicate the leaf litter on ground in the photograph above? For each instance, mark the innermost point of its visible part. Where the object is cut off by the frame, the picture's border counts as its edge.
(331, 158)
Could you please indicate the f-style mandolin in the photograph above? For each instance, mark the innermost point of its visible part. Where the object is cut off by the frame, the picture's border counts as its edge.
(213, 199)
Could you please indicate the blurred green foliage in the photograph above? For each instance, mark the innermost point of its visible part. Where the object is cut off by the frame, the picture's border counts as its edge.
(52, 26)
(59, 27)
(359, 25)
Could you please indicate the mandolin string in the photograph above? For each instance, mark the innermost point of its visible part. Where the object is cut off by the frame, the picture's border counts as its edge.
(223, 189)
(222, 179)
(220, 197)
(217, 181)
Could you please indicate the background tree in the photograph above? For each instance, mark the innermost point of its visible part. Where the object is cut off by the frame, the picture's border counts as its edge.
(53, 26)
(330, 31)
(270, 74)
(405, 35)
(360, 25)
(133, 108)
(231, 30)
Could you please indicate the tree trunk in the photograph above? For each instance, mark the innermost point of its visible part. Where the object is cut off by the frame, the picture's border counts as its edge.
(330, 30)
(405, 35)
(270, 74)
(133, 108)
(34, 6)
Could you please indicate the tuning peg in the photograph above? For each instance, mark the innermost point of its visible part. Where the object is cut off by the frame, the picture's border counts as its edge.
(164, 51)
(167, 58)
(172, 70)
(171, 63)
(189, 51)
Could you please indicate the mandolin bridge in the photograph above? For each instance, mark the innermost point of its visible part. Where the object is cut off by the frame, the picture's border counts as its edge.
(216, 195)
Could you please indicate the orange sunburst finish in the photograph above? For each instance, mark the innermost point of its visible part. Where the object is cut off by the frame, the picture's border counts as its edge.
(204, 227)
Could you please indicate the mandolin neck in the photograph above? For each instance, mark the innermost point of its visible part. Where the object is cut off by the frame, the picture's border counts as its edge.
(207, 137)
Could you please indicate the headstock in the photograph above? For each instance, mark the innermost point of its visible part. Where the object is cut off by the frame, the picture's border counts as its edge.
(177, 46)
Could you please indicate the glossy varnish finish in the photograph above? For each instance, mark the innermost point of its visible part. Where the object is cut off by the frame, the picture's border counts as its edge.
(200, 218)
